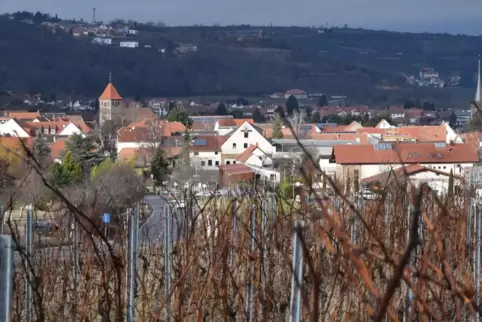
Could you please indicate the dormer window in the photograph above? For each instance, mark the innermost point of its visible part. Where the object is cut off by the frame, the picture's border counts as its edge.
(52, 131)
(46, 131)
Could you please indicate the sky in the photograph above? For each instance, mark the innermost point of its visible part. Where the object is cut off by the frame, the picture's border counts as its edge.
(461, 16)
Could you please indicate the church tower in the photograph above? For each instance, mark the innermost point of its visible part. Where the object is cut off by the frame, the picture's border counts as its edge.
(110, 103)
(478, 95)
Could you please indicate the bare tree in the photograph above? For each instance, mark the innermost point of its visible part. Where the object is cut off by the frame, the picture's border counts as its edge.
(297, 120)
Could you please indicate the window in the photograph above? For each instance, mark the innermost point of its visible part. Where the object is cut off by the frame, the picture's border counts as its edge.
(46, 131)
(228, 162)
(245, 145)
(246, 135)
(409, 155)
(216, 163)
(416, 154)
(52, 131)
(234, 162)
(196, 153)
(210, 162)
(203, 163)
(272, 176)
(234, 145)
(215, 153)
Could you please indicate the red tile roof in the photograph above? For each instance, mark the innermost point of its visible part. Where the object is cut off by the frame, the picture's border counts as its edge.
(146, 129)
(22, 115)
(405, 153)
(243, 157)
(233, 169)
(110, 93)
(213, 143)
(402, 171)
(57, 148)
(418, 133)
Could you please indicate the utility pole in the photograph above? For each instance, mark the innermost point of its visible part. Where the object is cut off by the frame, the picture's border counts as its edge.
(133, 227)
(297, 275)
(28, 274)
(167, 259)
(6, 277)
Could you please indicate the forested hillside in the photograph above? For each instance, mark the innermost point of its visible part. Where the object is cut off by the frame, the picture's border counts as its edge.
(33, 59)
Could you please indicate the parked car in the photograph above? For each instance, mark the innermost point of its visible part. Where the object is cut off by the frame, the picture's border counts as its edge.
(44, 227)
(367, 194)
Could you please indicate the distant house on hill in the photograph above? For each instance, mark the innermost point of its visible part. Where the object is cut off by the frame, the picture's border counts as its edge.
(129, 44)
(298, 93)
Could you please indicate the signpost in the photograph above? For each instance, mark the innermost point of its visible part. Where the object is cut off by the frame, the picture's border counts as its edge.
(106, 220)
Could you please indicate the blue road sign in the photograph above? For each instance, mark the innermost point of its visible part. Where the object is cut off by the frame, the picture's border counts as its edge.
(106, 218)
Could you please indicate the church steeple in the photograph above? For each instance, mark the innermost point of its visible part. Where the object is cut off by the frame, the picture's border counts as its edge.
(110, 103)
(478, 93)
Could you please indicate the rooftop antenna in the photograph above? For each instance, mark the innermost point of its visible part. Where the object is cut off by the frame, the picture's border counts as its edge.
(93, 15)
(110, 77)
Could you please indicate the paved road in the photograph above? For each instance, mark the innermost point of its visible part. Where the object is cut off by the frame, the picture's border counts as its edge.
(153, 229)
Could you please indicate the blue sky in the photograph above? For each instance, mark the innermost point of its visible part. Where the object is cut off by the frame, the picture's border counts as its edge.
(462, 16)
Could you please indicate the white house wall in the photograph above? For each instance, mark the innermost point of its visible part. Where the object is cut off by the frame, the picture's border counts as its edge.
(71, 129)
(369, 170)
(237, 143)
(12, 128)
(197, 160)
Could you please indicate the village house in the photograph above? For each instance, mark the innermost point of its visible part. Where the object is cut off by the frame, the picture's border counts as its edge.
(297, 93)
(357, 162)
(129, 44)
(244, 136)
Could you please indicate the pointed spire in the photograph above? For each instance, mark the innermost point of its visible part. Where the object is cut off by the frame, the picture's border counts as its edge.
(478, 93)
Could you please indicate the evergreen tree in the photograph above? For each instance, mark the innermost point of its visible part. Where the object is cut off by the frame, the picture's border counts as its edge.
(292, 105)
(68, 172)
(257, 116)
(179, 114)
(323, 101)
(277, 131)
(41, 150)
(84, 152)
(315, 117)
(103, 167)
(159, 167)
(450, 191)
(221, 109)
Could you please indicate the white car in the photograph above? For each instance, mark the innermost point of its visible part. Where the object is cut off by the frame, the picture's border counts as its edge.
(367, 194)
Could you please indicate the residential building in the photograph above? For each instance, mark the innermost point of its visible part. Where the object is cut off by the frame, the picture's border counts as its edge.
(298, 93)
(234, 174)
(244, 136)
(367, 160)
(205, 152)
(10, 127)
(416, 175)
(226, 126)
(129, 44)
(160, 107)
(102, 41)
